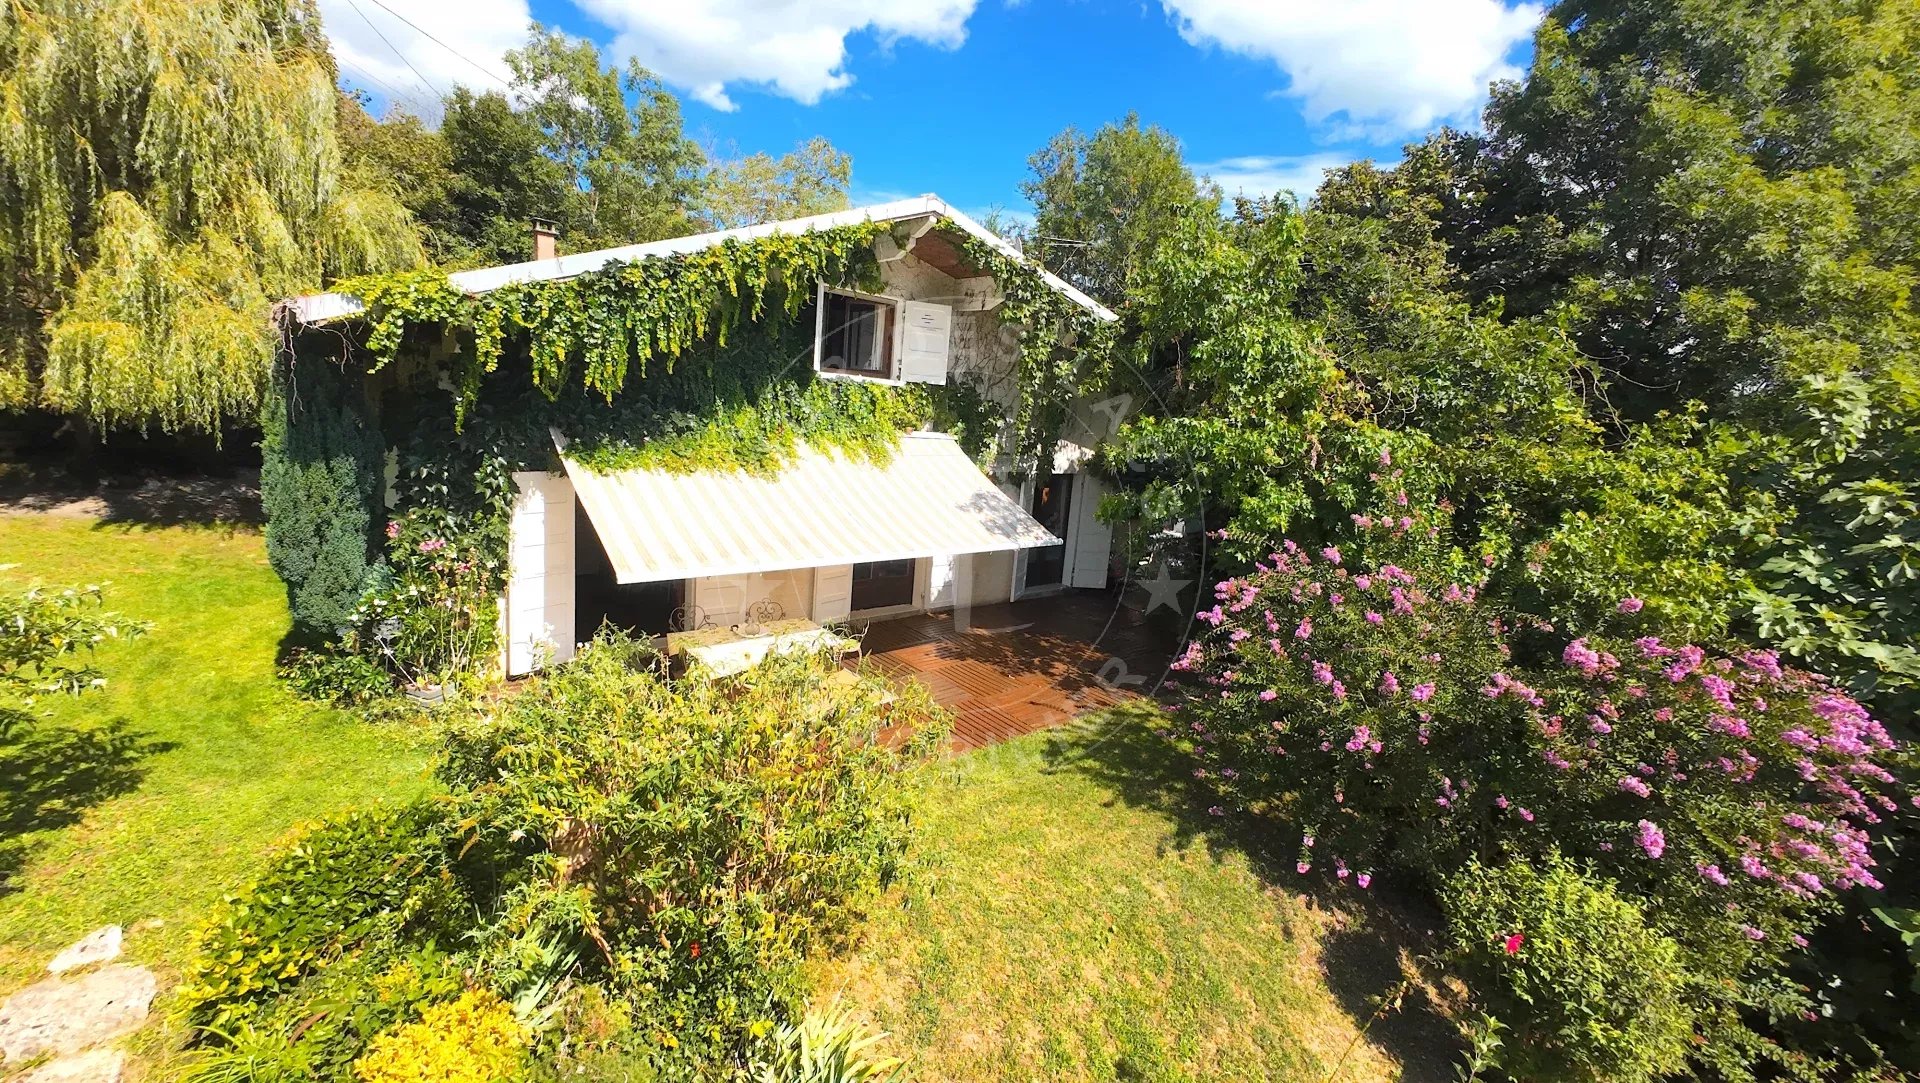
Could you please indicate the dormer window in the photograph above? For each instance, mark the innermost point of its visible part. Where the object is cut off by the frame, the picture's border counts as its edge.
(863, 336)
(855, 335)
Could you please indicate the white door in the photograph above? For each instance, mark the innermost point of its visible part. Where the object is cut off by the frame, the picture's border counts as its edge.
(538, 607)
(832, 593)
(1089, 541)
(1071, 512)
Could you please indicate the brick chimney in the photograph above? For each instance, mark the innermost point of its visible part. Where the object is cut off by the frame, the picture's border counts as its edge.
(546, 239)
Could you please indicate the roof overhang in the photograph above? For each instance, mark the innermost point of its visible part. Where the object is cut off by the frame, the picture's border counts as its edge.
(822, 509)
(322, 307)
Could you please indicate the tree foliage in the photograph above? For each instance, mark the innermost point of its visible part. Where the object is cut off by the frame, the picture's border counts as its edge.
(167, 169)
(811, 178)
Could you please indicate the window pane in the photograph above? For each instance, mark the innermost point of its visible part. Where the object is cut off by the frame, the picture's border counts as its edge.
(851, 335)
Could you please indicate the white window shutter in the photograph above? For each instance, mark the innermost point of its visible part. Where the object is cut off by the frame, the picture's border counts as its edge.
(539, 601)
(832, 593)
(925, 333)
(1089, 541)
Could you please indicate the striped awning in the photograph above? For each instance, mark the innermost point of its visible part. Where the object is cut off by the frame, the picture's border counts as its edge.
(822, 509)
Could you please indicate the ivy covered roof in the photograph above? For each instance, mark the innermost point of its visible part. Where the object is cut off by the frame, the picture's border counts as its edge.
(321, 307)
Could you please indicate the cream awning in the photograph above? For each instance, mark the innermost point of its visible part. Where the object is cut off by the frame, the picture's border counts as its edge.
(823, 508)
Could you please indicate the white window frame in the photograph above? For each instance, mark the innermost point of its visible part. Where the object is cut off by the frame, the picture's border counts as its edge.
(893, 346)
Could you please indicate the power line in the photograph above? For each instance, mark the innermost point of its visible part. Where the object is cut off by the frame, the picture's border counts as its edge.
(396, 52)
(477, 66)
(360, 74)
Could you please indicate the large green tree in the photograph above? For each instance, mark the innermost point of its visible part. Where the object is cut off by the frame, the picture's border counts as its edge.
(1101, 201)
(167, 168)
(1723, 202)
(812, 178)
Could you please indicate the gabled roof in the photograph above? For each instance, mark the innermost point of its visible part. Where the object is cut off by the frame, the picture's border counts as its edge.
(320, 307)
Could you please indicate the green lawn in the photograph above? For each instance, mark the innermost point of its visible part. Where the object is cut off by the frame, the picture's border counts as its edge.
(141, 803)
(1079, 916)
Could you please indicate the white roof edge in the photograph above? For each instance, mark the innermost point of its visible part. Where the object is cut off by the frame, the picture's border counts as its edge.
(320, 307)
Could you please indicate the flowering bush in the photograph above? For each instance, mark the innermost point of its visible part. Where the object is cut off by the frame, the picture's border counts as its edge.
(433, 615)
(1342, 700)
(1590, 991)
(1399, 721)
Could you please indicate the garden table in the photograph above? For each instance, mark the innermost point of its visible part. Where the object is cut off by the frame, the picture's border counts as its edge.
(727, 651)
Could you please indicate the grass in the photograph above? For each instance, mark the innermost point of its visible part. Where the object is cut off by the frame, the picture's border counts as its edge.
(1079, 918)
(141, 803)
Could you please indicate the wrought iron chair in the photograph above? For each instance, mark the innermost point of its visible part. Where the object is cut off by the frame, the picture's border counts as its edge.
(759, 615)
(688, 618)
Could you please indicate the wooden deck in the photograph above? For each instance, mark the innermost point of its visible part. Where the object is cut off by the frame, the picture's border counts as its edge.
(1024, 666)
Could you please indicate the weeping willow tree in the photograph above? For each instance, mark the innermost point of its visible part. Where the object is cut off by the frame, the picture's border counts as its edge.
(167, 168)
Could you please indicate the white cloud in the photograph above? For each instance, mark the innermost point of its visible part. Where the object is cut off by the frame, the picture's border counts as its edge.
(1265, 174)
(1371, 67)
(408, 67)
(795, 49)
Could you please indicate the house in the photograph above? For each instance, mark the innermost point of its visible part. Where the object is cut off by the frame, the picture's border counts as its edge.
(831, 537)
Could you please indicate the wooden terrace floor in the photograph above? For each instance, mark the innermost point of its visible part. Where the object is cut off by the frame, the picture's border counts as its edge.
(1020, 667)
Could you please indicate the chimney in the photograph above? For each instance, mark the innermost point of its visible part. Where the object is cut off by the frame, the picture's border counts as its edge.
(546, 239)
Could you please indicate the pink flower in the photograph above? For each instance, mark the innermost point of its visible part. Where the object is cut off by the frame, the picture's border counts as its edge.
(1389, 684)
(1652, 839)
(1525, 815)
(1305, 628)
(1374, 618)
(1634, 786)
(393, 530)
(1364, 879)
(1331, 553)
(1422, 692)
(1268, 695)
(1631, 605)
(1513, 943)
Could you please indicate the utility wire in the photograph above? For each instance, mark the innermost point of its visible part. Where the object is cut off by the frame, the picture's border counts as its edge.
(396, 52)
(477, 66)
(361, 75)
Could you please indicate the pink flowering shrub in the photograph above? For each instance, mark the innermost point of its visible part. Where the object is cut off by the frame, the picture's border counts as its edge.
(1400, 722)
(1340, 698)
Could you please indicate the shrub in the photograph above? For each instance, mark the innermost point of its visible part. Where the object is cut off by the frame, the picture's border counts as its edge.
(335, 676)
(368, 878)
(1400, 720)
(320, 475)
(1590, 992)
(46, 642)
(474, 1039)
(686, 842)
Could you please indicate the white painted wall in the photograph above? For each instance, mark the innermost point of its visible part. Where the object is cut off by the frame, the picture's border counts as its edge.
(725, 598)
(538, 608)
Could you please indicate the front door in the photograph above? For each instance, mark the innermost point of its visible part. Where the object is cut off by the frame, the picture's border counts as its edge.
(1047, 566)
(882, 584)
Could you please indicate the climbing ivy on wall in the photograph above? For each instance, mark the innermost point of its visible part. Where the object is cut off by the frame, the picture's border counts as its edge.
(597, 328)
(1065, 351)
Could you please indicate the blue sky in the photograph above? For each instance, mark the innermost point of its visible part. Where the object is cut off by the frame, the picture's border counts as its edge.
(952, 96)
